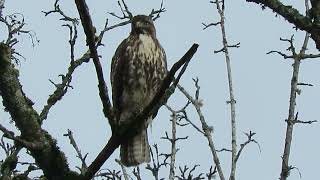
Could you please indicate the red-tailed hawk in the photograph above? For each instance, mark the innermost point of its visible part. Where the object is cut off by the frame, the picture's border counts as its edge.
(138, 68)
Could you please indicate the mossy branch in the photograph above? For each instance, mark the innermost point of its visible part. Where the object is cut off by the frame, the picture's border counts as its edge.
(44, 149)
(304, 23)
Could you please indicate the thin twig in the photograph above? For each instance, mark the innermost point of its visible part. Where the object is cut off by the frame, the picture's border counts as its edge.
(205, 26)
(82, 158)
(189, 122)
(224, 150)
(109, 174)
(188, 173)
(211, 174)
(156, 164)
(64, 16)
(248, 141)
(155, 14)
(15, 24)
(124, 171)
(136, 173)
(7, 147)
(62, 88)
(206, 129)
(126, 14)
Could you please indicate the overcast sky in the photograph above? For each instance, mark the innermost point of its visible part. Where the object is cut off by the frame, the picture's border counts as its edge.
(261, 83)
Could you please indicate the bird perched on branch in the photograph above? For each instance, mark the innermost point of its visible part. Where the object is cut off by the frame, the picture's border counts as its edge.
(137, 71)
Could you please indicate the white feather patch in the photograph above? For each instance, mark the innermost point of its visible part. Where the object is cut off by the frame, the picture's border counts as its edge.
(147, 47)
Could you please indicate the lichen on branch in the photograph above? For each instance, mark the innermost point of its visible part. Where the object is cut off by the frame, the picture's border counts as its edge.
(292, 15)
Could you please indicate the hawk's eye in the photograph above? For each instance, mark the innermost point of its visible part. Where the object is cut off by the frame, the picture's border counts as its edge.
(147, 22)
(139, 24)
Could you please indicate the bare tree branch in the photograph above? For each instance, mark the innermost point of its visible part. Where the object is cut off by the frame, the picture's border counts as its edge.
(172, 140)
(1, 6)
(7, 147)
(90, 34)
(292, 115)
(212, 173)
(285, 170)
(57, 9)
(156, 13)
(293, 94)
(232, 100)
(136, 172)
(225, 49)
(206, 129)
(188, 174)
(15, 24)
(249, 140)
(61, 88)
(224, 150)
(82, 158)
(156, 163)
(126, 14)
(110, 174)
(205, 26)
(124, 171)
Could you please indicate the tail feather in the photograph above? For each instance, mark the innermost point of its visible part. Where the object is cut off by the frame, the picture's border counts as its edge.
(136, 150)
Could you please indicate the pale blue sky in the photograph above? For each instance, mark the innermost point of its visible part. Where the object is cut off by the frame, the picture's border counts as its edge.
(261, 83)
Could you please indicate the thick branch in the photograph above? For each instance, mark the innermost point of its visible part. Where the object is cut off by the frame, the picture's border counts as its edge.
(293, 16)
(14, 99)
(10, 135)
(90, 34)
(46, 153)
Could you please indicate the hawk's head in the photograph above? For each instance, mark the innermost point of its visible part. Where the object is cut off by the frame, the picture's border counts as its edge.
(142, 24)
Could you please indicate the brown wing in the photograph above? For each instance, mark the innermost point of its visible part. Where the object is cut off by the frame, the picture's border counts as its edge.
(163, 71)
(118, 70)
